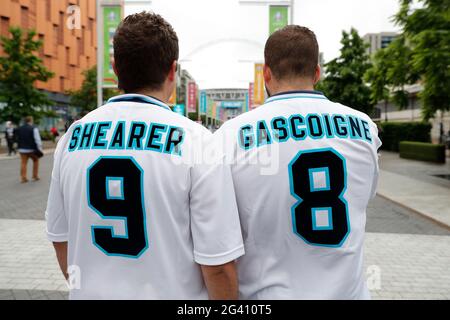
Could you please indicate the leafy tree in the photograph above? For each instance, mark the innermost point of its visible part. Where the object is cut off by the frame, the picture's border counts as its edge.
(377, 77)
(427, 29)
(344, 81)
(20, 68)
(400, 70)
(86, 97)
(391, 70)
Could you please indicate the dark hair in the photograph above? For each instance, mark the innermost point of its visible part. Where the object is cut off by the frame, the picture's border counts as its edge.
(292, 52)
(145, 47)
(28, 119)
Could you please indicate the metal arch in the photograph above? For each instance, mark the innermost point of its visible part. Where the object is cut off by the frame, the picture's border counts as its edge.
(220, 41)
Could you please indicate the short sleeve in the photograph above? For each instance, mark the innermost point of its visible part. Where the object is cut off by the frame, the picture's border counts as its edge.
(215, 225)
(376, 144)
(57, 226)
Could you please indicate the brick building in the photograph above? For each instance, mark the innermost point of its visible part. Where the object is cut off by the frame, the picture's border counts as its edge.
(66, 52)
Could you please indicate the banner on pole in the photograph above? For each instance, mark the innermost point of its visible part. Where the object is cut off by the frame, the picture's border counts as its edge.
(250, 95)
(192, 97)
(278, 18)
(245, 108)
(180, 109)
(173, 97)
(258, 88)
(203, 102)
(112, 15)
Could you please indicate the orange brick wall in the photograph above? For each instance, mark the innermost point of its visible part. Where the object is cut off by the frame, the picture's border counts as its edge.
(67, 58)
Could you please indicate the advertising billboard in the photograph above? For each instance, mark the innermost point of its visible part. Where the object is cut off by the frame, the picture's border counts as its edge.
(278, 18)
(192, 97)
(180, 109)
(258, 88)
(112, 15)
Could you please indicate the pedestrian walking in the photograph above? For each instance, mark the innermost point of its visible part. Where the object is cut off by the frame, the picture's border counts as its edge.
(10, 137)
(30, 147)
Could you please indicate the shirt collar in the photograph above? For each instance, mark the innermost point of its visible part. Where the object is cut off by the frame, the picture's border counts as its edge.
(139, 98)
(312, 94)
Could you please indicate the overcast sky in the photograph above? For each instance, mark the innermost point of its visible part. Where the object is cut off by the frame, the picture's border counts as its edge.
(220, 39)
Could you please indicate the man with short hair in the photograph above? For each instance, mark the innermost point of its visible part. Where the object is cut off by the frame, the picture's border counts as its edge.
(303, 220)
(10, 137)
(29, 140)
(141, 212)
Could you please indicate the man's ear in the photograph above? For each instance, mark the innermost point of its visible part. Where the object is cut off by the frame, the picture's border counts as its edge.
(317, 75)
(267, 73)
(113, 63)
(173, 71)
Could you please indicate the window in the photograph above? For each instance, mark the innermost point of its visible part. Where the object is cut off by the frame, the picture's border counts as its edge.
(25, 18)
(4, 26)
(61, 29)
(48, 9)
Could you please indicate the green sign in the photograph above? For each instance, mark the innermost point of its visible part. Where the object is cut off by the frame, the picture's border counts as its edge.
(112, 15)
(278, 18)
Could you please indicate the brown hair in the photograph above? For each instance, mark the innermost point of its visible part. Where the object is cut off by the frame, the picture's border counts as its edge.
(145, 47)
(292, 52)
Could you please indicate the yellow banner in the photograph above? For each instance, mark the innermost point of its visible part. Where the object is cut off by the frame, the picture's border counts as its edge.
(214, 110)
(173, 97)
(258, 91)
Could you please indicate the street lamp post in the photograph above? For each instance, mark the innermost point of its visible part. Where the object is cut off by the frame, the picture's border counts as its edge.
(101, 4)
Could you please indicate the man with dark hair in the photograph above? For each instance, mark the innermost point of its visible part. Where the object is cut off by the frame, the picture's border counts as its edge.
(303, 205)
(29, 140)
(134, 211)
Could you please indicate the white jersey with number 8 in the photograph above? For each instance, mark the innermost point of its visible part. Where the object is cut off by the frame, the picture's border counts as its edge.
(304, 169)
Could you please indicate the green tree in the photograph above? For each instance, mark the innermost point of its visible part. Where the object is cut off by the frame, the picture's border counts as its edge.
(20, 68)
(86, 97)
(427, 30)
(391, 70)
(344, 80)
(378, 80)
(400, 70)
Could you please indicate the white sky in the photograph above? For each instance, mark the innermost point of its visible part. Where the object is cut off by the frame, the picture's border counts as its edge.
(238, 31)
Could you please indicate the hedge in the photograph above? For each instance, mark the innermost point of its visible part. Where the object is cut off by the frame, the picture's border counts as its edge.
(422, 151)
(392, 133)
(46, 135)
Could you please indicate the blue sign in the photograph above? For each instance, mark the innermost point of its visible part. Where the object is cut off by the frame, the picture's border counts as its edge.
(203, 102)
(232, 104)
(180, 109)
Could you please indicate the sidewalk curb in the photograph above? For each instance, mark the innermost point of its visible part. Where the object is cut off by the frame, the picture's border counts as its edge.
(15, 157)
(422, 214)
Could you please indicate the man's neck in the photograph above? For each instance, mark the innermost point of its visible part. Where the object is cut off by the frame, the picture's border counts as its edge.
(155, 94)
(287, 86)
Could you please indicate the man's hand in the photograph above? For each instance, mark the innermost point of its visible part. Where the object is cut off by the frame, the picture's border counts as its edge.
(221, 281)
(61, 255)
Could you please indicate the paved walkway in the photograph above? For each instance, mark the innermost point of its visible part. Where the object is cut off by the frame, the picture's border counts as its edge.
(416, 185)
(411, 266)
(409, 253)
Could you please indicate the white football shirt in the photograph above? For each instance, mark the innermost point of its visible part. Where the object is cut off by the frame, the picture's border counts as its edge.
(304, 170)
(139, 207)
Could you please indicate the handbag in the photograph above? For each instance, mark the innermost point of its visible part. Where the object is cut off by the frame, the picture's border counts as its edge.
(38, 153)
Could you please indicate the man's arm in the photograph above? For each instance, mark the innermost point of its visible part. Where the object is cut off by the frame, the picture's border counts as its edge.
(37, 138)
(61, 255)
(221, 281)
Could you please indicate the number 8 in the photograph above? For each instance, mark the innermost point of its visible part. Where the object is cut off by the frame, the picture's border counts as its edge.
(321, 215)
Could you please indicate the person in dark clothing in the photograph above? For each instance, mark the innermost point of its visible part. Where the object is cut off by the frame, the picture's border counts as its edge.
(29, 141)
(10, 137)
